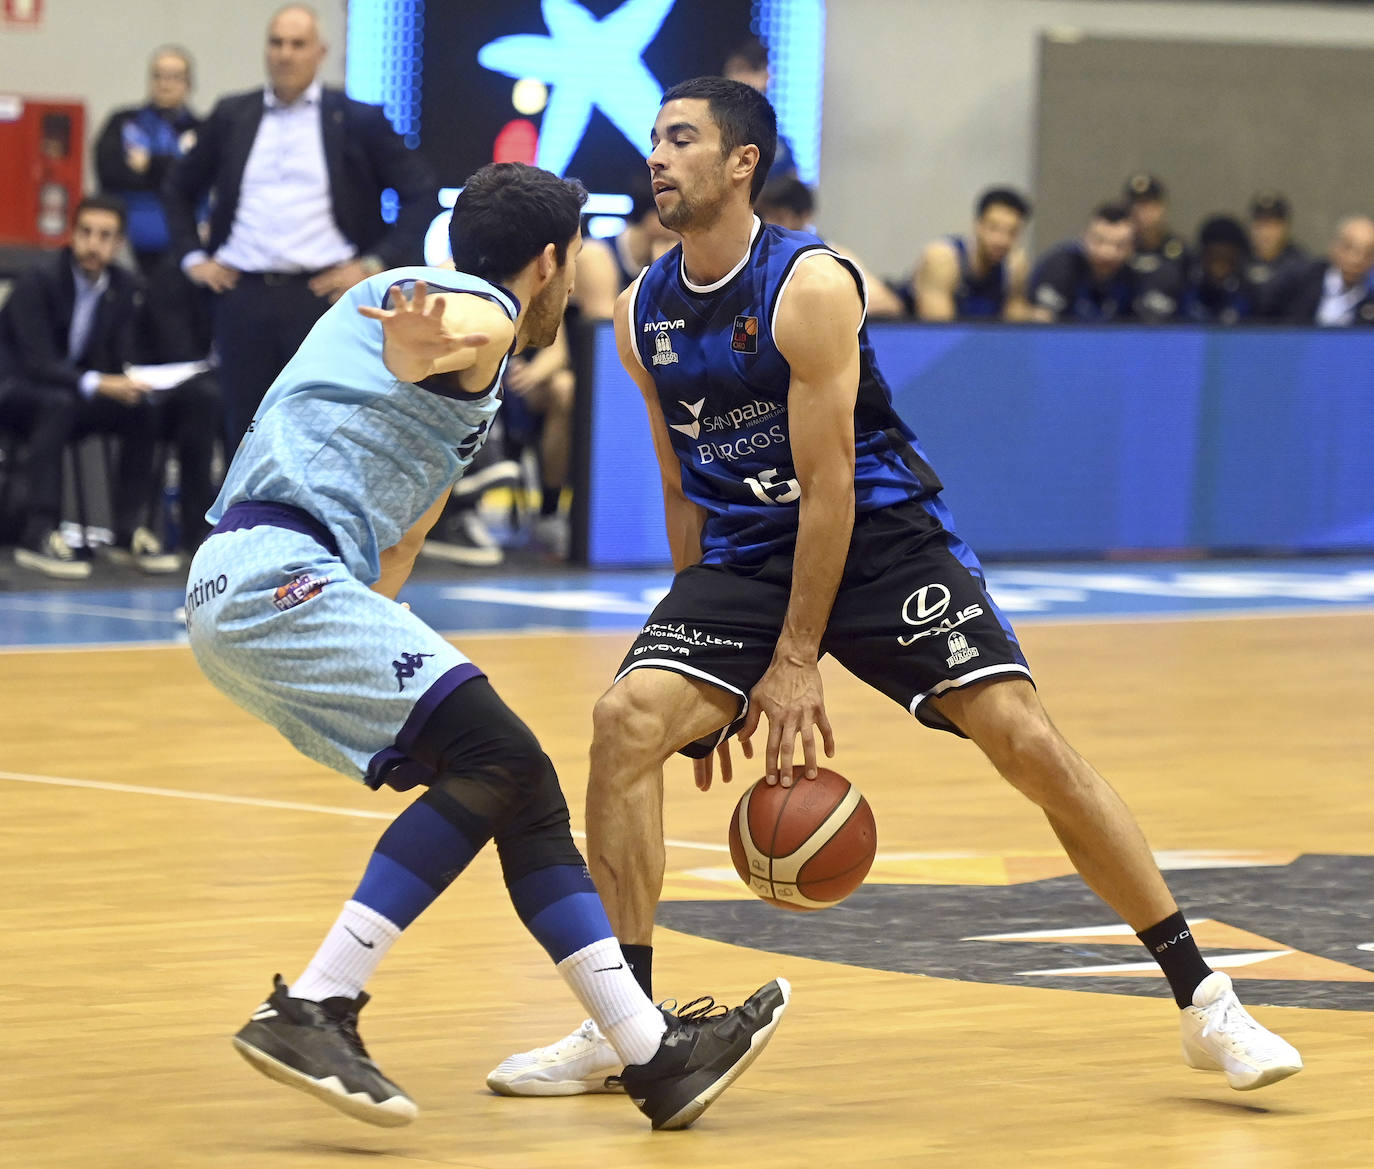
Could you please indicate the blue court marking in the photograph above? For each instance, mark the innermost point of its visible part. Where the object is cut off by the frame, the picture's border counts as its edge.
(611, 601)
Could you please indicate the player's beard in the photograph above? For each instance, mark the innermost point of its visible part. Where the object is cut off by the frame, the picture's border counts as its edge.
(543, 317)
(694, 212)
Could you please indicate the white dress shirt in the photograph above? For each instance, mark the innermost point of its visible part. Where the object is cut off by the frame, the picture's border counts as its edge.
(1337, 306)
(284, 221)
(88, 294)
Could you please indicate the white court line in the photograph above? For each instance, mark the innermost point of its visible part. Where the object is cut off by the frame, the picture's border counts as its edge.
(257, 802)
(63, 608)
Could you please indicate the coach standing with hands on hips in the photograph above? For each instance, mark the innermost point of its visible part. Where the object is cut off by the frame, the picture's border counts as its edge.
(297, 172)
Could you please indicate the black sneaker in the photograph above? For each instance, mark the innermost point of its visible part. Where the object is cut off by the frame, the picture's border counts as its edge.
(702, 1054)
(316, 1047)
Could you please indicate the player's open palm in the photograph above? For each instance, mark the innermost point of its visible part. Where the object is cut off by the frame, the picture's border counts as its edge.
(417, 336)
(790, 696)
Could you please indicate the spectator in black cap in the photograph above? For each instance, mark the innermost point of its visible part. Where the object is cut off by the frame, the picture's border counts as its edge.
(1336, 290)
(1218, 291)
(1161, 259)
(1273, 254)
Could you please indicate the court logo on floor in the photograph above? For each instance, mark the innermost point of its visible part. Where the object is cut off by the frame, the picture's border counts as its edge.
(1296, 932)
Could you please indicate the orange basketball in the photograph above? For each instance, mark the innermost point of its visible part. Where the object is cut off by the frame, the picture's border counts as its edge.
(808, 846)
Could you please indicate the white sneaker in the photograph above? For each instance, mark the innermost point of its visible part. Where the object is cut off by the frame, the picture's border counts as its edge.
(145, 553)
(53, 557)
(1220, 1035)
(582, 1062)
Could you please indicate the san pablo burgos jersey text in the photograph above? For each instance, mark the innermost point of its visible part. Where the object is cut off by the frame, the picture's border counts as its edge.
(340, 437)
(723, 388)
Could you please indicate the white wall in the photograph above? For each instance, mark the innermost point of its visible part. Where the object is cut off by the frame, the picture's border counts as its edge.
(928, 101)
(97, 51)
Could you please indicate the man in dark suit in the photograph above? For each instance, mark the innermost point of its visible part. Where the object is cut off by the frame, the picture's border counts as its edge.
(297, 172)
(64, 342)
(1333, 291)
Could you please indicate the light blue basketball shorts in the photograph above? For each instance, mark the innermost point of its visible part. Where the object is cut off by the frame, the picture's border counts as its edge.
(348, 676)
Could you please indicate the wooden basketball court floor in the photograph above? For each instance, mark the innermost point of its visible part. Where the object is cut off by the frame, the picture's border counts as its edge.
(165, 855)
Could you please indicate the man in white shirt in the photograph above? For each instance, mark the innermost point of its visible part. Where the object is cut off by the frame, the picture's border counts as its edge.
(297, 171)
(1334, 291)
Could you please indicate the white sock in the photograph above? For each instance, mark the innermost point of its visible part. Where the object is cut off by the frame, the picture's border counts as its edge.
(603, 983)
(348, 955)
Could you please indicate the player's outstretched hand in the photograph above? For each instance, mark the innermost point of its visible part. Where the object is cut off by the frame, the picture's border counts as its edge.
(416, 335)
(790, 695)
(703, 769)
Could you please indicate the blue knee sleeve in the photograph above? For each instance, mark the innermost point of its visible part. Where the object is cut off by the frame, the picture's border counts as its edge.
(561, 908)
(417, 858)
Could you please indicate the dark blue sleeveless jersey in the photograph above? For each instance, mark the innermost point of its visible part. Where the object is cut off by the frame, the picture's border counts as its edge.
(978, 297)
(723, 388)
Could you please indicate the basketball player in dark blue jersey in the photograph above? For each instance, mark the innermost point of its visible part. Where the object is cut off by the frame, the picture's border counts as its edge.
(984, 279)
(804, 519)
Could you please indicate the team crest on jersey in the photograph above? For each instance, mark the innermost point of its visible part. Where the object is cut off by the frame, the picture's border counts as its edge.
(663, 350)
(296, 592)
(745, 338)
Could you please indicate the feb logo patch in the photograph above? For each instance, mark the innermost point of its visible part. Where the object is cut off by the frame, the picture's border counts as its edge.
(745, 338)
(298, 591)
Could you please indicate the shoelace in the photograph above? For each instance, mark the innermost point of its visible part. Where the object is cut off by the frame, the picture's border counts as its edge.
(1227, 1009)
(697, 1010)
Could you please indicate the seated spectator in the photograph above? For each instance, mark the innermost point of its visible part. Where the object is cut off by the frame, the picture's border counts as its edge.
(748, 63)
(982, 280)
(1272, 250)
(1161, 261)
(606, 267)
(137, 146)
(64, 342)
(1219, 291)
(1088, 279)
(1335, 291)
(789, 203)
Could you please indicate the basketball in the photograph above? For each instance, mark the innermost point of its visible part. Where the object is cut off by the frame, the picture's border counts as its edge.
(804, 847)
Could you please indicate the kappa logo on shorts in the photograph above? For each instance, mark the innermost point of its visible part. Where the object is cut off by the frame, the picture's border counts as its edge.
(296, 592)
(745, 337)
(406, 667)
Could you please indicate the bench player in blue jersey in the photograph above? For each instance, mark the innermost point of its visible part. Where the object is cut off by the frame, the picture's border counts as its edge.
(805, 519)
(291, 612)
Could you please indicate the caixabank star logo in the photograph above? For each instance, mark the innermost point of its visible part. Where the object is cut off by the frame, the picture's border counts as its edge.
(1294, 931)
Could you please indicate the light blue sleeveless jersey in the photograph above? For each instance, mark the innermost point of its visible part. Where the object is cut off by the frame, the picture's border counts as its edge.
(340, 437)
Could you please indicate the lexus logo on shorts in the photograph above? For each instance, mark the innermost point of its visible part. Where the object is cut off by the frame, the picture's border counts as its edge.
(926, 604)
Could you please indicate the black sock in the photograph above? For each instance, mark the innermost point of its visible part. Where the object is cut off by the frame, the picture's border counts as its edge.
(549, 499)
(641, 960)
(1171, 945)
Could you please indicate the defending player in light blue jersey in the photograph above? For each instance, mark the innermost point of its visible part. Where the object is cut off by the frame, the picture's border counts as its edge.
(291, 612)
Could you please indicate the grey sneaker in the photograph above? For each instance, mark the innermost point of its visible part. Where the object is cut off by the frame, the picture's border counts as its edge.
(316, 1048)
(53, 557)
(464, 540)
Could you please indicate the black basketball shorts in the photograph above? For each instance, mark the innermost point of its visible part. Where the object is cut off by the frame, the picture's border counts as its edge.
(912, 618)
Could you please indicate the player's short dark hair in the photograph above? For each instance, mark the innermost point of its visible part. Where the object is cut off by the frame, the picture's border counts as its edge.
(110, 203)
(1004, 197)
(744, 115)
(1223, 229)
(1112, 212)
(788, 193)
(507, 214)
